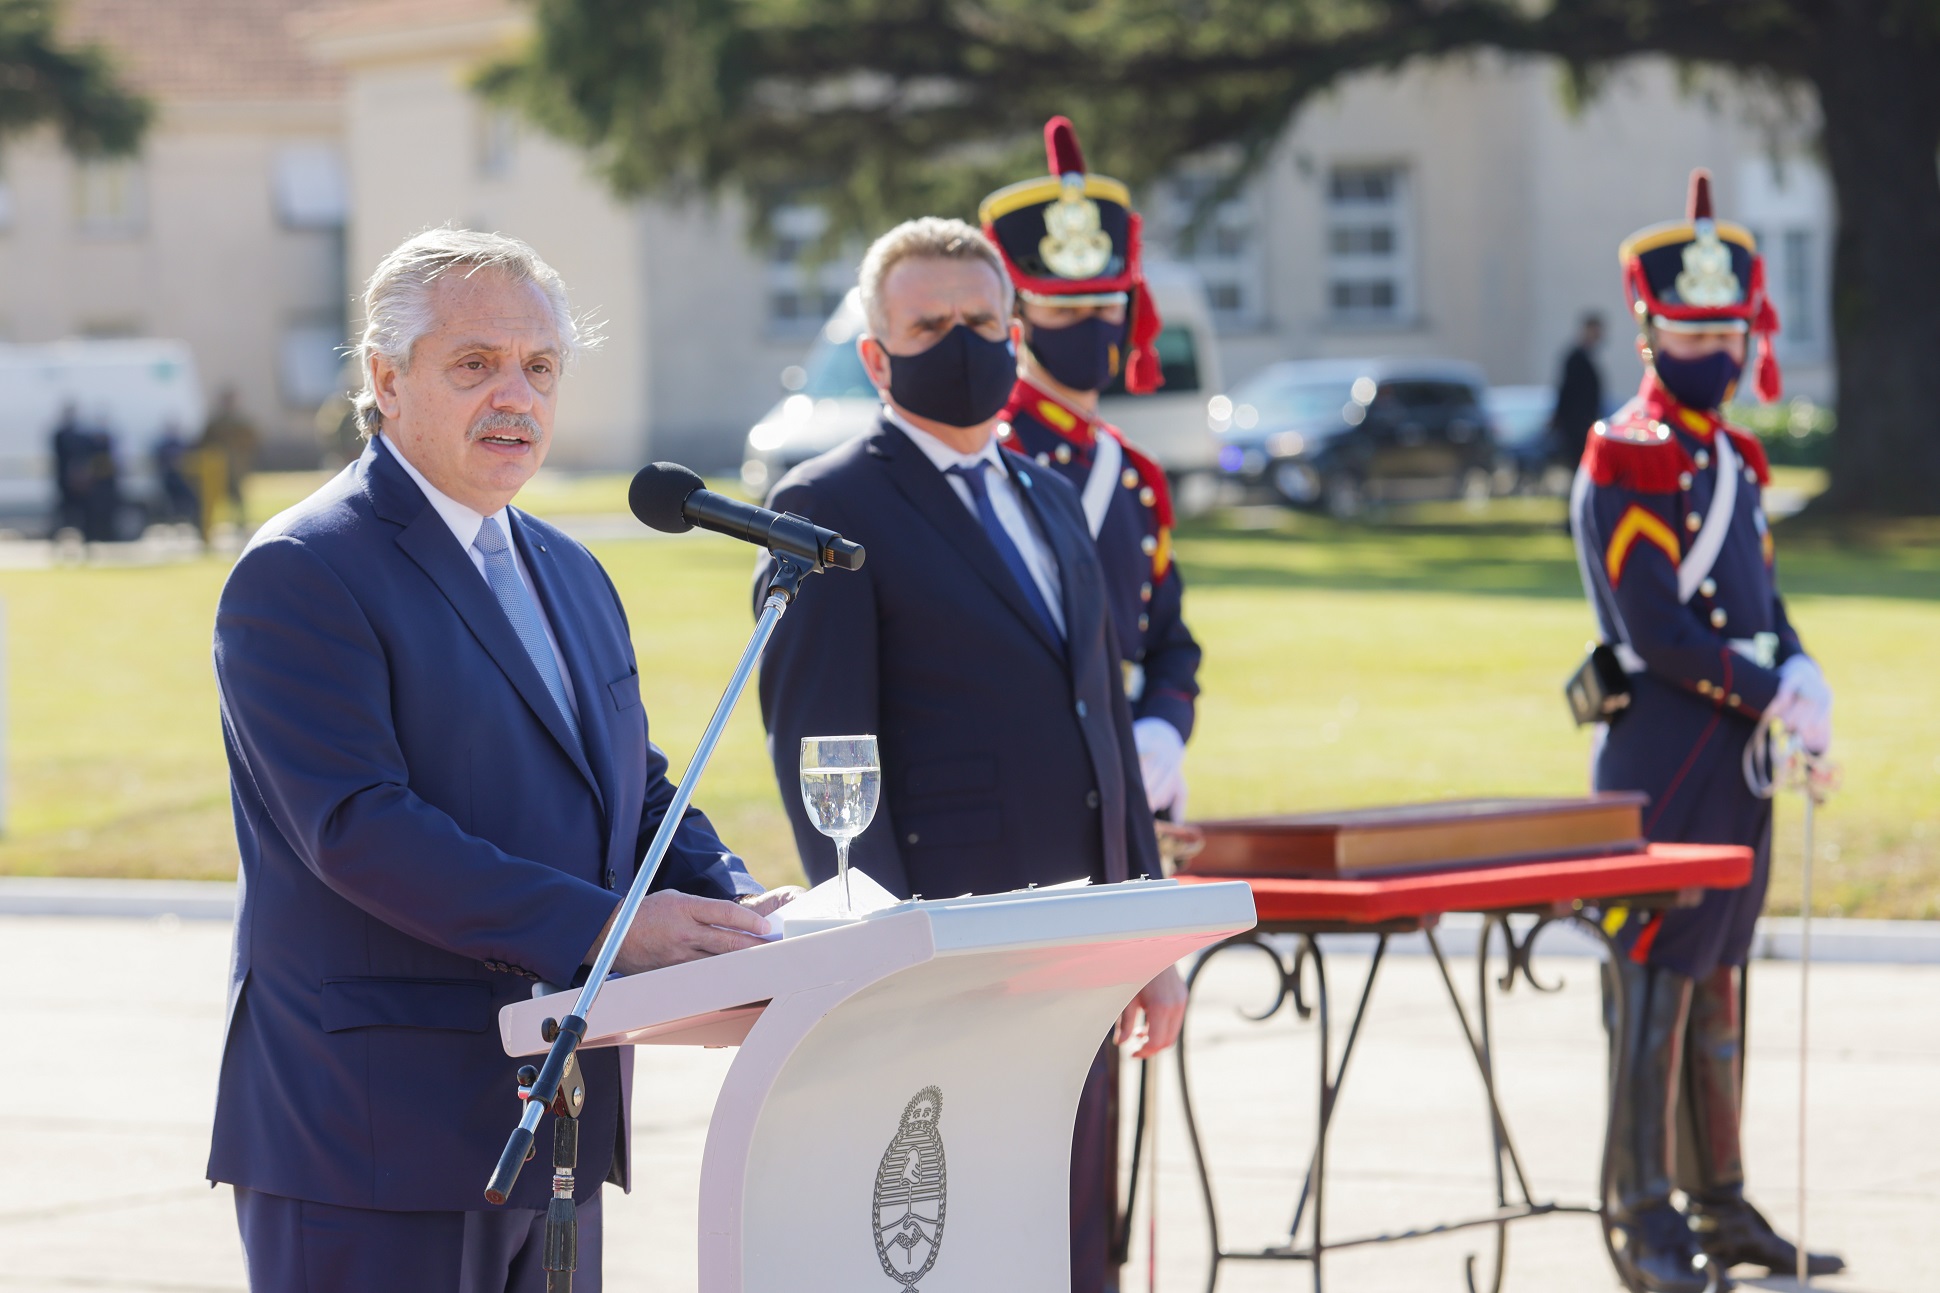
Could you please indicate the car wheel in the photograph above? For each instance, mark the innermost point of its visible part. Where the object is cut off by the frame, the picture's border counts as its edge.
(1343, 496)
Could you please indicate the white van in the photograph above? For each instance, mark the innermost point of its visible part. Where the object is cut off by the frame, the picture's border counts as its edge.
(833, 400)
(136, 390)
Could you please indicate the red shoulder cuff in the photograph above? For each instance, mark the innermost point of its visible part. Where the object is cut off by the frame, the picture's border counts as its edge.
(1647, 466)
(1752, 450)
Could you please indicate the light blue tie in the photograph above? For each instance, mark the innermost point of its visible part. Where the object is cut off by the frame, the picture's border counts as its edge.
(503, 576)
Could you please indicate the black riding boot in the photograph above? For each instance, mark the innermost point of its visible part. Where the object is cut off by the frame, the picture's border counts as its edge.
(1655, 1249)
(1711, 1167)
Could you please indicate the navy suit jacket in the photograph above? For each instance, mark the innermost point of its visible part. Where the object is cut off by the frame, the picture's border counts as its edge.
(1007, 758)
(419, 834)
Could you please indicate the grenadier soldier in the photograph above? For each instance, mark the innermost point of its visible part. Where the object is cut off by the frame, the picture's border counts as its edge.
(1676, 557)
(1070, 242)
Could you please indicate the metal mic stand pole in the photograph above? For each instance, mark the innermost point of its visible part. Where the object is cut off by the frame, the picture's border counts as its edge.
(557, 1085)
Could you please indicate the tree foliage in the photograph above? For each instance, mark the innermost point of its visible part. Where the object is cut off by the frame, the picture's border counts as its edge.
(877, 109)
(74, 89)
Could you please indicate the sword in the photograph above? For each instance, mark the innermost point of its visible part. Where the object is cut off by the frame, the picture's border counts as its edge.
(1774, 758)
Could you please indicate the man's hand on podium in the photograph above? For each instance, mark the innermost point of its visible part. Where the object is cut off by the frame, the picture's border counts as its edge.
(672, 927)
(768, 903)
(1163, 1005)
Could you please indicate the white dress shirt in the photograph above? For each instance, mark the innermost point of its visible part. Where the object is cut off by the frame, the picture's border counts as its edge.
(1016, 519)
(464, 524)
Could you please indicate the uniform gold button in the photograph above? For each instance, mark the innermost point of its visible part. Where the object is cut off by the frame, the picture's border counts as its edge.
(1064, 453)
(1693, 522)
(1717, 617)
(1703, 459)
(1683, 480)
(1149, 544)
(1044, 460)
(1751, 477)
(1144, 622)
(1704, 686)
(1709, 588)
(1145, 592)
(1732, 700)
(1147, 496)
(1128, 478)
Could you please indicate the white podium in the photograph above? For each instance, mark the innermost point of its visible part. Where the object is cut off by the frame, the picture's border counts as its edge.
(900, 1112)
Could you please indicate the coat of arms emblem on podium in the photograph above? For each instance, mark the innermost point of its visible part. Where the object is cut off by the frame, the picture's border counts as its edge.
(910, 1192)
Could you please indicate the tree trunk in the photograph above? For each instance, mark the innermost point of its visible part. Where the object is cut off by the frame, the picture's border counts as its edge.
(1879, 92)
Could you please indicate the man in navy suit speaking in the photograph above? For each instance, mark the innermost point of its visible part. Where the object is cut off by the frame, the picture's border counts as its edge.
(442, 783)
(976, 645)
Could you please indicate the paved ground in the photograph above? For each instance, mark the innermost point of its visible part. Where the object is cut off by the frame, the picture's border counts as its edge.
(106, 1193)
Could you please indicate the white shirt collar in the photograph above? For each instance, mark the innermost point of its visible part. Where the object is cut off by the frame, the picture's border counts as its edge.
(942, 455)
(464, 522)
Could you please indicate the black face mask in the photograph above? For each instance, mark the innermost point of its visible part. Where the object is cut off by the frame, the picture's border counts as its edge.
(1698, 383)
(1081, 356)
(960, 381)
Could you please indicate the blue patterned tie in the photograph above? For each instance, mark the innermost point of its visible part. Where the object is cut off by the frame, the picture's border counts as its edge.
(503, 576)
(972, 475)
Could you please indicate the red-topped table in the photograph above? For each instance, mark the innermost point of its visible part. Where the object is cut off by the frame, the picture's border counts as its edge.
(1574, 890)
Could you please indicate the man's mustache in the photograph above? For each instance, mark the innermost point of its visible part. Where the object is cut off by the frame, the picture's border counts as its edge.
(498, 423)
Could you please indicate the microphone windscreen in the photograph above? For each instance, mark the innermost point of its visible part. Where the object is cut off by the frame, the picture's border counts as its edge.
(658, 493)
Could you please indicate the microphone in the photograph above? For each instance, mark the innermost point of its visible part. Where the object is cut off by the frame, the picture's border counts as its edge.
(668, 497)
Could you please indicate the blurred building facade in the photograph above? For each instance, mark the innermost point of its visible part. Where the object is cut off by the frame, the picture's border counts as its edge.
(1453, 209)
(225, 232)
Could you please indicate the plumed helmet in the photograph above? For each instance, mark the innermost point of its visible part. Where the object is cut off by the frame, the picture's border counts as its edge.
(1071, 238)
(1702, 272)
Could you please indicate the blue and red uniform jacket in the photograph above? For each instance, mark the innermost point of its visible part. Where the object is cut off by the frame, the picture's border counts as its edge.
(1702, 659)
(1142, 583)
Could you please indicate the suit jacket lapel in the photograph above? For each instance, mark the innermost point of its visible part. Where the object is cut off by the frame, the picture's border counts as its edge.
(937, 502)
(427, 540)
(1065, 549)
(589, 681)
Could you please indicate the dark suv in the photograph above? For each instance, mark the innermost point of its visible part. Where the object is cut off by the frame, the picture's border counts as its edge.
(1339, 434)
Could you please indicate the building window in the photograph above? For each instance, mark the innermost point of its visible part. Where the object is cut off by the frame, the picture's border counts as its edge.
(310, 362)
(1221, 242)
(110, 197)
(308, 187)
(1370, 262)
(498, 143)
(1798, 311)
(805, 284)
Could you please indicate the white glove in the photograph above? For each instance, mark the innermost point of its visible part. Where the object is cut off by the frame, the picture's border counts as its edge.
(1161, 763)
(1804, 703)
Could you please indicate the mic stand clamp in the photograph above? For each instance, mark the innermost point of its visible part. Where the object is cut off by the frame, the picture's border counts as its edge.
(557, 1086)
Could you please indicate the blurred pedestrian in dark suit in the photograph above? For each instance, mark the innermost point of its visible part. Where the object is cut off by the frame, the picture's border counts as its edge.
(233, 438)
(1579, 393)
(101, 505)
(71, 450)
(179, 501)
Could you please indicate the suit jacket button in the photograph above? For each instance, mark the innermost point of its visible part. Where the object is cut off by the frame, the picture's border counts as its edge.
(913, 837)
(1091, 799)
(1081, 709)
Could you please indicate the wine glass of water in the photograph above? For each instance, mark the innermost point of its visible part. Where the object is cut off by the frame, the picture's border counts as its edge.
(841, 781)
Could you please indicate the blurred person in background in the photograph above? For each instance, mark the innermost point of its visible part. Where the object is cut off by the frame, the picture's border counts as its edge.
(178, 501)
(101, 506)
(71, 449)
(1677, 560)
(1579, 392)
(1087, 319)
(231, 440)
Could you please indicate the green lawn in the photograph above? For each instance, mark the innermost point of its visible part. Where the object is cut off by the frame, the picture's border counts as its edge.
(1345, 666)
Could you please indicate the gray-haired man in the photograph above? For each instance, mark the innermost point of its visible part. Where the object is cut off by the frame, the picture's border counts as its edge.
(442, 780)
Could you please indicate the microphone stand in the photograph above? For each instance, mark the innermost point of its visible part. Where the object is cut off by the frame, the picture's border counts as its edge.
(557, 1085)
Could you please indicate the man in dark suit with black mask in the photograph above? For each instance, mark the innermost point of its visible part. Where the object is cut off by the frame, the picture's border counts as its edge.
(976, 645)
